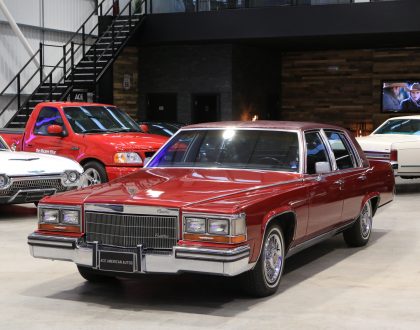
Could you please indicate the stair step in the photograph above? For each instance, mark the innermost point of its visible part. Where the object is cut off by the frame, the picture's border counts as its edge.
(82, 81)
(46, 93)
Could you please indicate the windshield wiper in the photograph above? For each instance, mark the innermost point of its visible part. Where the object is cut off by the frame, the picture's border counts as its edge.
(118, 130)
(95, 130)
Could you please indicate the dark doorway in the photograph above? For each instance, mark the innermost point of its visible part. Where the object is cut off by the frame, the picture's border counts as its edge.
(206, 107)
(161, 107)
(273, 107)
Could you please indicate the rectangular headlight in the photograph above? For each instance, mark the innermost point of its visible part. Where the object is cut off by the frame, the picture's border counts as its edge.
(195, 225)
(218, 226)
(49, 216)
(70, 217)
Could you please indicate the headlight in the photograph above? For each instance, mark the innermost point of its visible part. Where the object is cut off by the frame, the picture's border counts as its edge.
(70, 217)
(71, 178)
(218, 227)
(227, 229)
(127, 158)
(49, 216)
(4, 181)
(59, 218)
(195, 225)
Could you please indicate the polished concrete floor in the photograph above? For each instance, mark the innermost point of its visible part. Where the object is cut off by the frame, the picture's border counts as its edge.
(328, 286)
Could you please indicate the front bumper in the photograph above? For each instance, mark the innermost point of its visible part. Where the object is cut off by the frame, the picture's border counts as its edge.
(227, 262)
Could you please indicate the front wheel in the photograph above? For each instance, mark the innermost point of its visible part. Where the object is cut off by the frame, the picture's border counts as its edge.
(264, 279)
(95, 173)
(358, 235)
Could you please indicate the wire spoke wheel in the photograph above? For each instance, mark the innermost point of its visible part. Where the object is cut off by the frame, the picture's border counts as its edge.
(273, 258)
(358, 235)
(366, 221)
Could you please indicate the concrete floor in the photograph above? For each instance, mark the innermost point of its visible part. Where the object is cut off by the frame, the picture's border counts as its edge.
(326, 287)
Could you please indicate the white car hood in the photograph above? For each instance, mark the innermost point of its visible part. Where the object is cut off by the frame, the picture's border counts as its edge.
(30, 163)
(384, 142)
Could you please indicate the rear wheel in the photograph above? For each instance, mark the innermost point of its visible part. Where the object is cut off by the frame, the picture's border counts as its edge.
(264, 279)
(359, 234)
(95, 173)
(93, 276)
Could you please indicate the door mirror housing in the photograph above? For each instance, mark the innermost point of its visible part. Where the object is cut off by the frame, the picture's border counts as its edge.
(56, 130)
(322, 167)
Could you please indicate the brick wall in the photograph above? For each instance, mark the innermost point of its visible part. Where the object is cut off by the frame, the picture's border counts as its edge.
(186, 70)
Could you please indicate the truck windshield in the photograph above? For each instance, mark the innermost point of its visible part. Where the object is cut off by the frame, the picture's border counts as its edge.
(230, 148)
(99, 119)
(400, 126)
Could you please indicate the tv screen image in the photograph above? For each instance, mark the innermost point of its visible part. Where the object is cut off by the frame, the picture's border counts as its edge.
(401, 96)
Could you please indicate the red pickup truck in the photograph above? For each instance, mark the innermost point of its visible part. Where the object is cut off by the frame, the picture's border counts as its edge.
(102, 138)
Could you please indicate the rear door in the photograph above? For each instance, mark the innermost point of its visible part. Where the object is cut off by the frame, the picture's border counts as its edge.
(352, 173)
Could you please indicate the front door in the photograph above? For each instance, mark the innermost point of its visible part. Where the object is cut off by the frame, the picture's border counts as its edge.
(39, 140)
(162, 107)
(205, 108)
(324, 190)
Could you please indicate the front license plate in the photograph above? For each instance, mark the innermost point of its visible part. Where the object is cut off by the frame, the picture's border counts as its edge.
(116, 261)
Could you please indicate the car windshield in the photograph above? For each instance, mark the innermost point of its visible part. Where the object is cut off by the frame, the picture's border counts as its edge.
(99, 119)
(229, 148)
(400, 126)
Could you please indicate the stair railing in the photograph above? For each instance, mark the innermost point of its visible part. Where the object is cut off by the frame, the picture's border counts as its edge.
(80, 40)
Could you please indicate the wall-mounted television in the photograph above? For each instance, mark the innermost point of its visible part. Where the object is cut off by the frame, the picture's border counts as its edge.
(401, 96)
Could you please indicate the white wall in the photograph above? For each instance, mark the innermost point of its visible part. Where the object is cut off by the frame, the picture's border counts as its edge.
(64, 15)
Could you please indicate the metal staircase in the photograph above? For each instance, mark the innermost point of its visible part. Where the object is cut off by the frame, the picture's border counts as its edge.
(85, 59)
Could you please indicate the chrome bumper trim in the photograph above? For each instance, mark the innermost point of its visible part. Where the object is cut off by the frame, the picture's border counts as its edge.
(227, 262)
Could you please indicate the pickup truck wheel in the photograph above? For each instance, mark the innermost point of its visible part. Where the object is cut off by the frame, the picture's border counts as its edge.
(91, 275)
(94, 173)
(359, 234)
(264, 279)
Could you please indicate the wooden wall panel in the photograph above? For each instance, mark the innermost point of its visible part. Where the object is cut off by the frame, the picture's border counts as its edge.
(342, 87)
(126, 81)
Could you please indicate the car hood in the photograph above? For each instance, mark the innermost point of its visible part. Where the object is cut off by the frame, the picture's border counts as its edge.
(30, 163)
(176, 187)
(384, 142)
(128, 141)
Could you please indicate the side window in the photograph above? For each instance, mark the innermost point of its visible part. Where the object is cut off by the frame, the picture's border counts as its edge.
(315, 151)
(343, 154)
(47, 116)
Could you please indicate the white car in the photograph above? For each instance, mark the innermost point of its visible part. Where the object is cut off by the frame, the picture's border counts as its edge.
(397, 140)
(27, 177)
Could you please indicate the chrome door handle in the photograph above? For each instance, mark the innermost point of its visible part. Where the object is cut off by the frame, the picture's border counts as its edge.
(362, 177)
(340, 183)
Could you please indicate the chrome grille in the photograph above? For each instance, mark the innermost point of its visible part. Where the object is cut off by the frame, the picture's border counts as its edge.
(28, 184)
(130, 230)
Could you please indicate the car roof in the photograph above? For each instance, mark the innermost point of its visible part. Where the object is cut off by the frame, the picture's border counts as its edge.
(263, 124)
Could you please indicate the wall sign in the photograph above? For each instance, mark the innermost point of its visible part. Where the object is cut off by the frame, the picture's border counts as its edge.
(126, 81)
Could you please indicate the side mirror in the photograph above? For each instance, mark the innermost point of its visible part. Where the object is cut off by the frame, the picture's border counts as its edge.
(322, 167)
(56, 130)
(144, 128)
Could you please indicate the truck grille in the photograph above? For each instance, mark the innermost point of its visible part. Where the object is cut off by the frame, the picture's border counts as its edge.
(130, 230)
(29, 184)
